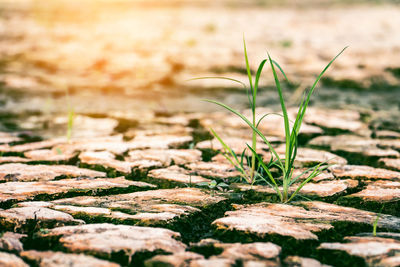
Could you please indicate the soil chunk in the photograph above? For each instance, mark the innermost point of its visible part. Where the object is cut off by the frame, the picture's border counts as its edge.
(160, 141)
(345, 120)
(106, 239)
(19, 191)
(358, 145)
(10, 260)
(18, 218)
(10, 241)
(8, 138)
(50, 258)
(296, 261)
(236, 144)
(376, 251)
(23, 173)
(12, 159)
(166, 157)
(252, 254)
(379, 191)
(213, 170)
(33, 145)
(393, 164)
(49, 155)
(155, 207)
(363, 172)
(320, 189)
(177, 259)
(107, 159)
(176, 174)
(300, 220)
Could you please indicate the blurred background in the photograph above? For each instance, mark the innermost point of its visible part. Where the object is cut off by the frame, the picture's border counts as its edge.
(115, 56)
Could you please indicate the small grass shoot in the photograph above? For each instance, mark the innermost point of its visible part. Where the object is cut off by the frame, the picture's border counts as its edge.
(375, 224)
(253, 168)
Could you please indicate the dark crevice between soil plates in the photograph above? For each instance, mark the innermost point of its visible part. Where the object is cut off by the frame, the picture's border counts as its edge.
(387, 207)
(192, 228)
(77, 192)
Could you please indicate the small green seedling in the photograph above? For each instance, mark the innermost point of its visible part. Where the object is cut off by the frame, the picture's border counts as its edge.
(58, 150)
(375, 225)
(70, 125)
(255, 169)
(214, 185)
(44, 231)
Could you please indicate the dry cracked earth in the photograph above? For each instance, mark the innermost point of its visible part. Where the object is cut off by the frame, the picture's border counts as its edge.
(124, 190)
(129, 198)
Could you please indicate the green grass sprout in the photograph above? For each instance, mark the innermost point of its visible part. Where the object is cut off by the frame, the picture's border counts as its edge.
(255, 169)
(71, 116)
(375, 224)
(213, 185)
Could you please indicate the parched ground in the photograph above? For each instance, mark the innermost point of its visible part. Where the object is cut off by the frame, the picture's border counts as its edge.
(123, 191)
(132, 198)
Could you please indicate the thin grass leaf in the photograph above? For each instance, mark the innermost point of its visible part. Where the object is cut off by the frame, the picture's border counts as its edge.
(223, 185)
(248, 123)
(234, 154)
(279, 67)
(293, 151)
(252, 104)
(312, 175)
(237, 165)
(203, 184)
(70, 124)
(305, 198)
(221, 78)
(268, 172)
(297, 124)
(258, 74)
(225, 146)
(248, 68)
(265, 115)
(375, 225)
(242, 156)
(225, 78)
(301, 174)
(285, 115)
(276, 189)
(316, 82)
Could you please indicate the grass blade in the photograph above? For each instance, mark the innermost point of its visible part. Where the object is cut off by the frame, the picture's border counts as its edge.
(316, 82)
(279, 67)
(285, 116)
(248, 68)
(220, 78)
(70, 124)
(315, 172)
(248, 123)
(260, 68)
(275, 185)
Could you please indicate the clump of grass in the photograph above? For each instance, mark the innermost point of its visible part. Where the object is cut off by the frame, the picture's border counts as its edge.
(253, 168)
